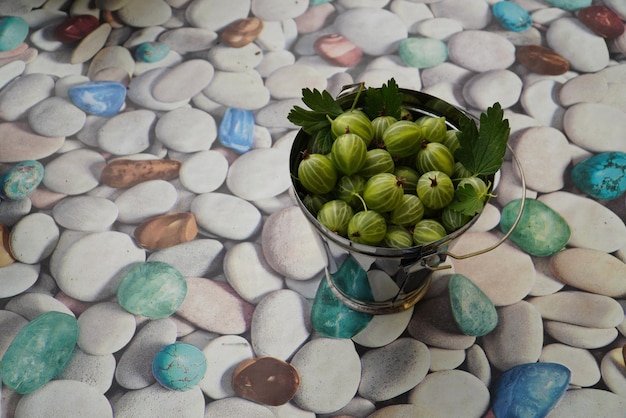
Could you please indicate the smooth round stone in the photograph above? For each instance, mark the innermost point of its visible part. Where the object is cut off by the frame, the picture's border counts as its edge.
(11, 70)
(472, 14)
(611, 367)
(91, 44)
(393, 369)
(114, 56)
(442, 359)
(503, 282)
(19, 143)
(480, 51)
(62, 398)
(17, 277)
(105, 329)
(226, 216)
(580, 308)
(40, 351)
(337, 50)
(451, 393)
(274, 115)
(541, 60)
(546, 283)
(23, 93)
(438, 28)
(584, 88)
(241, 90)
(75, 28)
(585, 402)
(55, 63)
(21, 180)
(11, 324)
(12, 211)
(581, 363)
(422, 52)
(151, 51)
(593, 225)
(31, 305)
(85, 213)
(172, 59)
(277, 10)
(581, 268)
(127, 133)
(518, 337)
(96, 371)
(156, 400)
(577, 336)
(314, 18)
(56, 116)
(179, 366)
(512, 16)
(293, 312)
(188, 39)
(353, 24)
(74, 172)
(223, 355)
(617, 6)
(33, 238)
(100, 98)
(531, 389)
(287, 82)
(145, 14)
(266, 380)
(291, 249)
(330, 371)
(186, 130)
(226, 58)
(134, 368)
(570, 5)
(478, 364)
(601, 176)
(215, 306)
(259, 174)
(153, 289)
(183, 81)
(99, 276)
(13, 31)
(568, 37)
(473, 311)
(203, 14)
(204, 171)
(486, 88)
(145, 200)
(237, 407)
(584, 121)
(198, 258)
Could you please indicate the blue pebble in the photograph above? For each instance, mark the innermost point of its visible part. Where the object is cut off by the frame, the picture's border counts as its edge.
(179, 366)
(602, 176)
(512, 16)
(236, 130)
(13, 31)
(151, 52)
(529, 390)
(20, 181)
(101, 98)
(570, 5)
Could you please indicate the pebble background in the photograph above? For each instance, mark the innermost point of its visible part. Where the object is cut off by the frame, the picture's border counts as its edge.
(209, 83)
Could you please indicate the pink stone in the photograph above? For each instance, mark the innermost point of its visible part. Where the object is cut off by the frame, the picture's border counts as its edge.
(338, 50)
(15, 51)
(74, 305)
(45, 199)
(314, 18)
(18, 143)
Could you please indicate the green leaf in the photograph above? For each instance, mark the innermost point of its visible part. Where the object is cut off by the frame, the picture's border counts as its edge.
(482, 149)
(321, 107)
(386, 101)
(321, 102)
(467, 201)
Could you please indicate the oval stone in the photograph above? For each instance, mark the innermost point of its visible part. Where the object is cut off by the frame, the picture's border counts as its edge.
(267, 380)
(105, 328)
(151, 51)
(21, 179)
(75, 28)
(236, 130)
(123, 173)
(601, 176)
(183, 81)
(166, 230)
(512, 16)
(34, 237)
(568, 36)
(101, 98)
(179, 366)
(422, 52)
(602, 20)
(580, 308)
(39, 352)
(153, 289)
(473, 311)
(541, 60)
(580, 362)
(18, 142)
(13, 31)
(85, 213)
(241, 32)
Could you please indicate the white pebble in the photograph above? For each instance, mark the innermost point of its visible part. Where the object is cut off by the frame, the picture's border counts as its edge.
(127, 133)
(183, 81)
(259, 174)
(85, 213)
(140, 91)
(480, 51)
(105, 328)
(33, 238)
(444, 359)
(581, 363)
(242, 90)
(223, 355)
(588, 402)
(356, 24)
(472, 14)
(595, 127)
(484, 89)
(155, 400)
(23, 93)
(147, 199)
(197, 258)
(17, 277)
(611, 367)
(226, 58)
(31, 305)
(539, 100)
(215, 14)
(585, 51)
(226, 216)
(584, 88)
(186, 130)
(96, 371)
(204, 171)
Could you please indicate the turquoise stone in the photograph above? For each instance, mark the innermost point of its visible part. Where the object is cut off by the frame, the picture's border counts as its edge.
(329, 316)
(179, 366)
(100, 98)
(13, 31)
(570, 5)
(473, 311)
(602, 176)
(39, 352)
(512, 16)
(236, 130)
(151, 52)
(540, 232)
(318, 2)
(20, 180)
(153, 289)
(422, 52)
(529, 390)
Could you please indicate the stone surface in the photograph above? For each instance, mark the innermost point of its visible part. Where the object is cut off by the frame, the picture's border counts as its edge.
(75, 28)
(105, 328)
(21, 179)
(472, 310)
(266, 380)
(602, 175)
(179, 366)
(13, 31)
(512, 16)
(155, 399)
(579, 308)
(167, 230)
(580, 362)
(122, 173)
(542, 60)
(101, 98)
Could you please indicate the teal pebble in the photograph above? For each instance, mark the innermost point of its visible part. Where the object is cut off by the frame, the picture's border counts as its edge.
(152, 289)
(540, 232)
(570, 5)
(151, 52)
(422, 52)
(13, 31)
(39, 352)
(329, 316)
(602, 176)
(512, 16)
(529, 390)
(318, 2)
(473, 311)
(179, 366)
(19, 181)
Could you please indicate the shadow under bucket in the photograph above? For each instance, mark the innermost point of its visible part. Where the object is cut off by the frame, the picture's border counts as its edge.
(409, 268)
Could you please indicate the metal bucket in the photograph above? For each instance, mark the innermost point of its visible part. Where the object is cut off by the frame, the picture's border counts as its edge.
(410, 268)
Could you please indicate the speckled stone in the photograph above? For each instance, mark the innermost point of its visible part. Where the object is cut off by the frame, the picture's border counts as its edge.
(602, 176)
(473, 311)
(21, 179)
(179, 366)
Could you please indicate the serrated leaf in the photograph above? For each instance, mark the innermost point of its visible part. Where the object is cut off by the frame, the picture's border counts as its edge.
(321, 102)
(386, 101)
(467, 201)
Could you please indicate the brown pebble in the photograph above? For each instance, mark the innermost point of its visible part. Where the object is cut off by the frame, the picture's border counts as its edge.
(267, 380)
(338, 50)
(167, 230)
(6, 257)
(541, 60)
(241, 32)
(602, 20)
(112, 19)
(128, 173)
